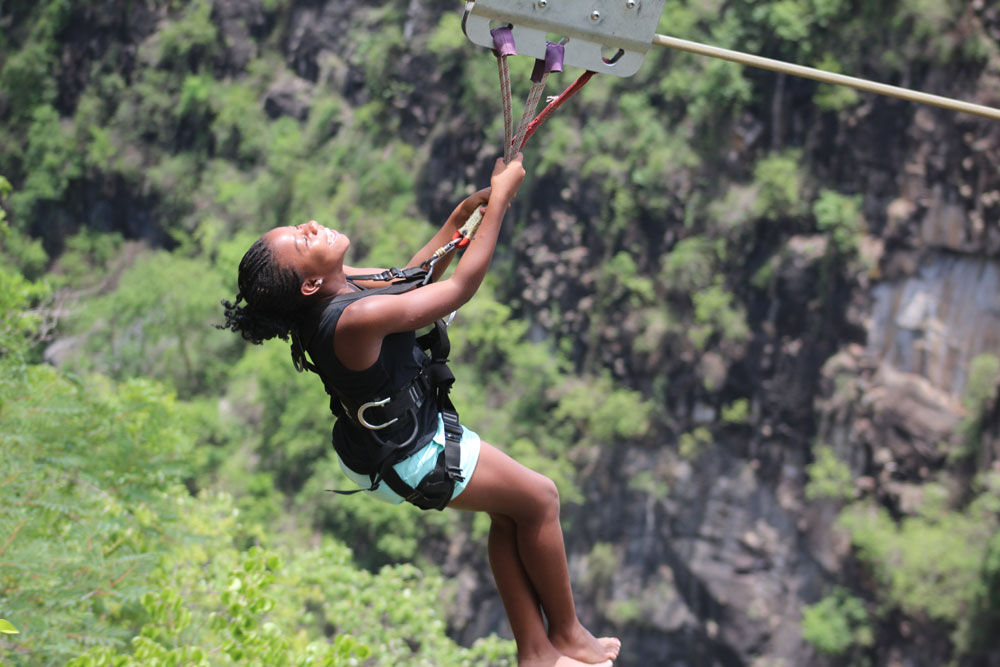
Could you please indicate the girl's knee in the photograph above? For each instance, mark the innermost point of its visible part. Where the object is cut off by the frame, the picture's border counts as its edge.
(545, 495)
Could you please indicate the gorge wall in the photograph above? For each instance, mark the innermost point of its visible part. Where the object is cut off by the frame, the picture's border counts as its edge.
(669, 237)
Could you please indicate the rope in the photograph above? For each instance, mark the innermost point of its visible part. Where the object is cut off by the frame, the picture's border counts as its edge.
(526, 126)
(826, 77)
(534, 97)
(508, 113)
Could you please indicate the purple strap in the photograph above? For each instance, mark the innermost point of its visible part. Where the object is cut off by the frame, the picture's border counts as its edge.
(503, 41)
(553, 62)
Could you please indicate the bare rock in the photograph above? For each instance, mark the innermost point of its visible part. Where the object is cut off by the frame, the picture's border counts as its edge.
(289, 95)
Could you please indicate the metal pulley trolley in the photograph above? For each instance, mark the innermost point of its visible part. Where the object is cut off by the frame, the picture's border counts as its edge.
(613, 36)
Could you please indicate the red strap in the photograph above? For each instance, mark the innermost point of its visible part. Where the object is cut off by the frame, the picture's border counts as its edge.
(573, 89)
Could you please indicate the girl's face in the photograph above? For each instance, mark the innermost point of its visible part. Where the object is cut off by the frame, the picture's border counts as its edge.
(314, 251)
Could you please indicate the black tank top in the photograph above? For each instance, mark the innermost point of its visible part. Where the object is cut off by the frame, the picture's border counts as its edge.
(399, 361)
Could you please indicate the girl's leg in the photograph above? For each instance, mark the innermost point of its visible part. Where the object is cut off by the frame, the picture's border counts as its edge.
(528, 555)
(518, 597)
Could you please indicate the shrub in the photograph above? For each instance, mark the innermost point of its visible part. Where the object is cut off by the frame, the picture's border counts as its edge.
(837, 623)
(930, 565)
(715, 313)
(690, 265)
(829, 477)
(694, 444)
(778, 179)
(839, 216)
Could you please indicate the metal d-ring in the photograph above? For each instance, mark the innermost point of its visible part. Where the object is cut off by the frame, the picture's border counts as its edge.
(374, 404)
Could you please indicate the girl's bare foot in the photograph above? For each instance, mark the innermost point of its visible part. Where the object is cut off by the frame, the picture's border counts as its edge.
(557, 661)
(580, 645)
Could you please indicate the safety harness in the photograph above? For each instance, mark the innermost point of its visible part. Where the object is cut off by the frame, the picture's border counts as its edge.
(433, 382)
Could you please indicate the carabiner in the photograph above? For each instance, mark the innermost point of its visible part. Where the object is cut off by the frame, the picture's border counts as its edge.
(374, 404)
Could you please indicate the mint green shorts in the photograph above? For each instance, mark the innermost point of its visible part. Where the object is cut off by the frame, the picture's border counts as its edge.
(416, 466)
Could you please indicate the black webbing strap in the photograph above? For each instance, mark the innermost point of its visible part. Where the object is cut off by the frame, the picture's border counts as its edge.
(452, 444)
(376, 415)
(438, 346)
(408, 275)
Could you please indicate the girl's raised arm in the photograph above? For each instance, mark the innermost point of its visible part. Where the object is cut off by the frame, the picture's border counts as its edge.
(366, 322)
(448, 229)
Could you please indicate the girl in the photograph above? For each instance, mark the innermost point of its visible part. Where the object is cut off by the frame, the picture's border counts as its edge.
(294, 282)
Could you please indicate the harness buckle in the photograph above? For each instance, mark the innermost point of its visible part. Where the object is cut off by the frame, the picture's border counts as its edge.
(374, 404)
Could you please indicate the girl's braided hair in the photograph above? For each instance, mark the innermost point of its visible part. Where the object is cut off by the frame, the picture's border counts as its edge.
(272, 297)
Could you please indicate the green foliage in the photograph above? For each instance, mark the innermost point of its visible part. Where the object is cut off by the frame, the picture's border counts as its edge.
(978, 635)
(18, 250)
(737, 412)
(5, 190)
(980, 395)
(733, 214)
(930, 566)
(181, 133)
(158, 323)
(829, 477)
(17, 324)
(237, 122)
(288, 431)
(447, 40)
(779, 183)
(833, 98)
(108, 560)
(930, 24)
(840, 217)
(710, 89)
(602, 564)
(212, 601)
(837, 624)
(87, 258)
(693, 444)
(621, 282)
(196, 91)
(51, 161)
(690, 265)
(716, 315)
(189, 40)
(26, 79)
(984, 383)
(647, 482)
(601, 412)
(85, 466)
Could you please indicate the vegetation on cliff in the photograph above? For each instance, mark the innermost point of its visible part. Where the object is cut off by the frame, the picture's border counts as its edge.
(680, 233)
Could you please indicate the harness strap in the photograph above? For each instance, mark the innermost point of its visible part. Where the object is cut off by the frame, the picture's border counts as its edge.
(407, 275)
(557, 101)
(436, 489)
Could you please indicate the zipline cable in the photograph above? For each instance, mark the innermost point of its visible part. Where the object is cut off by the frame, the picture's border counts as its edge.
(825, 77)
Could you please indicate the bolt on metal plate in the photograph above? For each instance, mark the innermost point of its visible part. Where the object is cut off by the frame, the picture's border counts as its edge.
(605, 36)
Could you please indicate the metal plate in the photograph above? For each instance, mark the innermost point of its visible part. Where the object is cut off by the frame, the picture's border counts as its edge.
(597, 29)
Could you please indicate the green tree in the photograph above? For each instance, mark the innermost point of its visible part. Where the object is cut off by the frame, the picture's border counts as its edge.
(938, 564)
(158, 323)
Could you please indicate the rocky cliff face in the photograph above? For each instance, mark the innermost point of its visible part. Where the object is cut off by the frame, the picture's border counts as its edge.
(718, 570)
